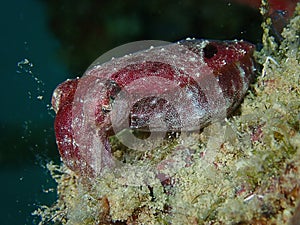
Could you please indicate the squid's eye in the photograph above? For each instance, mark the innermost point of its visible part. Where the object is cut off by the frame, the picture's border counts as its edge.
(210, 51)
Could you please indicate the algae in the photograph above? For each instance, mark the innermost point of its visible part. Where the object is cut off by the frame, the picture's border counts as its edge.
(245, 170)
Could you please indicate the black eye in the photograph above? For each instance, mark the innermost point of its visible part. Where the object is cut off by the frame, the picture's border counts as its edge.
(209, 51)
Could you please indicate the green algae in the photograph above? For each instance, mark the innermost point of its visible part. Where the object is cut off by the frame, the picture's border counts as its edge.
(244, 171)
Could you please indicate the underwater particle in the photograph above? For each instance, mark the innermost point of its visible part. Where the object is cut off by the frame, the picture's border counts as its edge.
(177, 87)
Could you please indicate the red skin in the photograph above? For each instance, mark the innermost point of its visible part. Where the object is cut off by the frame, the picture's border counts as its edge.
(85, 107)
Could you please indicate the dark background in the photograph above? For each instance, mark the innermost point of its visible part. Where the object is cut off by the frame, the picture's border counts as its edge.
(60, 39)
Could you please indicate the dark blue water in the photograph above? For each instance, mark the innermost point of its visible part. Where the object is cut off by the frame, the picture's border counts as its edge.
(26, 141)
